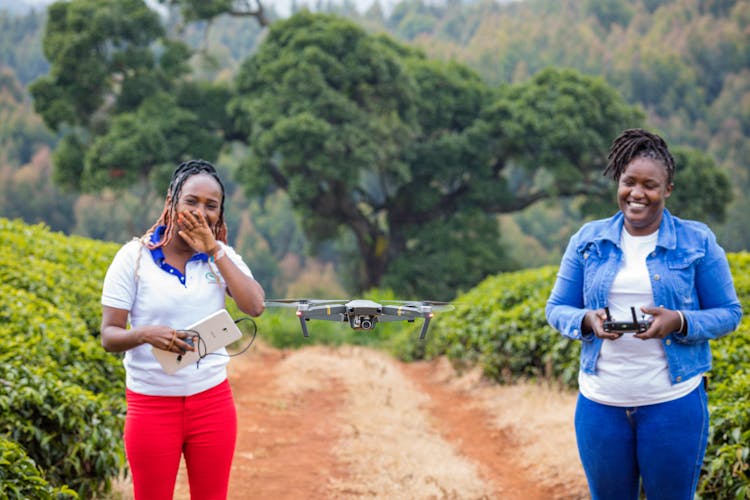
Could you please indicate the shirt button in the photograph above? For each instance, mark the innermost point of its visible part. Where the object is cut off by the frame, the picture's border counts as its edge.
(653, 254)
(657, 277)
(679, 379)
(669, 342)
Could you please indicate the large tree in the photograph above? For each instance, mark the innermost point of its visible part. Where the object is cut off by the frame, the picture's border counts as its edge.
(414, 156)
(120, 89)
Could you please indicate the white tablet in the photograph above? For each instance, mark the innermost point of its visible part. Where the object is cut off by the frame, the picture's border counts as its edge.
(216, 331)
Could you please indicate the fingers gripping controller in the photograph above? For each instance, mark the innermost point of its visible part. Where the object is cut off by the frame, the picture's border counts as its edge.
(638, 326)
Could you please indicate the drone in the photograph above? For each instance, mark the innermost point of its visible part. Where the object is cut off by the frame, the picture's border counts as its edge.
(362, 314)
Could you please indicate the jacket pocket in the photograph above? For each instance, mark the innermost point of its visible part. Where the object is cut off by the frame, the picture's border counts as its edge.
(682, 276)
(594, 265)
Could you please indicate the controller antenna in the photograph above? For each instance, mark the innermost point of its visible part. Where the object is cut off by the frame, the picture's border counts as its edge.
(635, 318)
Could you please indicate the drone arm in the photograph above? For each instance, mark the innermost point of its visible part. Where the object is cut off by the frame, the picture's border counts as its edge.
(305, 313)
(400, 313)
(327, 312)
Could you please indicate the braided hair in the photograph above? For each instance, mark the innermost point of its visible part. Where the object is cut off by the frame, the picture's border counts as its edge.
(638, 143)
(168, 216)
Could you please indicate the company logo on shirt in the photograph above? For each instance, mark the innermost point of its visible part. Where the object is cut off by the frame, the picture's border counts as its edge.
(211, 277)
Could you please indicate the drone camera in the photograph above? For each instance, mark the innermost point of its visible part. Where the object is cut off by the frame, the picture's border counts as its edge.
(362, 322)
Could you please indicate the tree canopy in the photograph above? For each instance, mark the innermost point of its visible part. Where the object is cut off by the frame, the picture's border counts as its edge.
(369, 135)
(118, 89)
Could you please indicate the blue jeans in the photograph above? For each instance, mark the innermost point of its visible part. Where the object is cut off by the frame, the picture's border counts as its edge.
(663, 444)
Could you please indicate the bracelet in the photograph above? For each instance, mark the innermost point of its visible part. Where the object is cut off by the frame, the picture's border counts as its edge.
(682, 321)
(217, 255)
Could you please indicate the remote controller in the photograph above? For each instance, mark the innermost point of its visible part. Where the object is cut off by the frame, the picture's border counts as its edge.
(625, 326)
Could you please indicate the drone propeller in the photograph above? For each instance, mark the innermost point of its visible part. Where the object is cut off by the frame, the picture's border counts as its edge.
(297, 302)
(435, 305)
(443, 307)
(423, 302)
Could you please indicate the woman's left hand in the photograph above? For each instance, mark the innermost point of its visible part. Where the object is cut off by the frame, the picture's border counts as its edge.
(663, 322)
(196, 232)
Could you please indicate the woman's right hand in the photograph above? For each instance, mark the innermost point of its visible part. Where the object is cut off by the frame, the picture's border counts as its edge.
(593, 321)
(164, 338)
(116, 337)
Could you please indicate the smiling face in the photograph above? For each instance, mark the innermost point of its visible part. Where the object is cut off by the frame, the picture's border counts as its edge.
(201, 193)
(642, 192)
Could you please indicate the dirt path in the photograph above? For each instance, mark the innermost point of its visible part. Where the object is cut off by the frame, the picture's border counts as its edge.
(323, 423)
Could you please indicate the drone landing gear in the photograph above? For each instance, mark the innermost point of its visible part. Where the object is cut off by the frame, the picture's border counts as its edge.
(425, 325)
(303, 324)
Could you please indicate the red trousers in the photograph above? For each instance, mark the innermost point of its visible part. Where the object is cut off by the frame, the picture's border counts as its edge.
(159, 429)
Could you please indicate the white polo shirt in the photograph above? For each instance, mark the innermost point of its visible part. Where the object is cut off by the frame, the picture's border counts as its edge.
(162, 296)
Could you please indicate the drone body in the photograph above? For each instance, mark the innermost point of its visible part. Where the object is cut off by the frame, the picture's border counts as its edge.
(361, 314)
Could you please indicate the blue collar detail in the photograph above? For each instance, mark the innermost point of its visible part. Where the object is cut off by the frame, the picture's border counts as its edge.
(158, 255)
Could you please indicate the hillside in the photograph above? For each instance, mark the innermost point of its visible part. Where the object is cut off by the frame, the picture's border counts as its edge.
(688, 85)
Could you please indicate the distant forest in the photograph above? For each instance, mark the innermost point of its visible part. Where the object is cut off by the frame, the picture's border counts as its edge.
(685, 63)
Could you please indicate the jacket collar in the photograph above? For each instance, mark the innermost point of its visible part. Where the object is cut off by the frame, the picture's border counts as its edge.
(667, 234)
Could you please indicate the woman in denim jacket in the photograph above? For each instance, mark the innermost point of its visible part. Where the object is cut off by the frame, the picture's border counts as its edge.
(644, 291)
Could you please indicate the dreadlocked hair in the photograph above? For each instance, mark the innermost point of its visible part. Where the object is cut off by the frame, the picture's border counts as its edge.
(168, 216)
(637, 143)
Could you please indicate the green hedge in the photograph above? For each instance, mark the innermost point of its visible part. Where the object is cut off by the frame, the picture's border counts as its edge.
(21, 478)
(726, 471)
(62, 402)
(500, 325)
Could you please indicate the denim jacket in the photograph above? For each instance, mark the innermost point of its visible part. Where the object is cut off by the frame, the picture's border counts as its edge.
(688, 270)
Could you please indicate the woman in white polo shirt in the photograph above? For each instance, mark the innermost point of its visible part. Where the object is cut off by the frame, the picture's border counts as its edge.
(176, 274)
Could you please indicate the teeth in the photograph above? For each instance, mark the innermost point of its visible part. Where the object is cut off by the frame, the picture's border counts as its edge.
(635, 204)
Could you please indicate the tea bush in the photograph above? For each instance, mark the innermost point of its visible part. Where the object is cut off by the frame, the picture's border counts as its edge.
(62, 401)
(21, 478)
(726, 470)
(500, 325)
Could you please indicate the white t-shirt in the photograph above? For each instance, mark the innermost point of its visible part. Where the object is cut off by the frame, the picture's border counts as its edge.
(161, 298)
(631, 371)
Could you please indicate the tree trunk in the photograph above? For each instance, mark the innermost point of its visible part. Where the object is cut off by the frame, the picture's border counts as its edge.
(374, 259)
